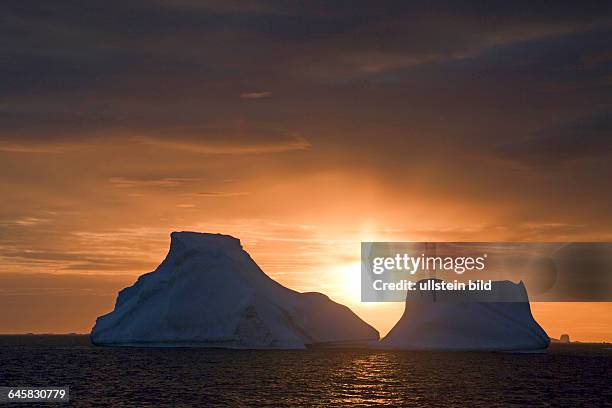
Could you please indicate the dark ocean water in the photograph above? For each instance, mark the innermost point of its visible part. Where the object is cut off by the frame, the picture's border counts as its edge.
(566, 375)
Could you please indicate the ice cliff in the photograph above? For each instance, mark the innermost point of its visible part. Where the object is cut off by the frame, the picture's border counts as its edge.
(452, 321)
(208, 292)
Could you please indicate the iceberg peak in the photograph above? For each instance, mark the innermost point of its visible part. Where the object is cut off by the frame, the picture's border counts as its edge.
(185, 240)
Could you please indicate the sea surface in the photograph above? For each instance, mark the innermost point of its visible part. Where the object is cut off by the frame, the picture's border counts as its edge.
(575, 375)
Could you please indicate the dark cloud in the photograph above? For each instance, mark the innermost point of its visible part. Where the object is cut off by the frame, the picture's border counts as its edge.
(587, 138)
(74, 70)
(70, 46)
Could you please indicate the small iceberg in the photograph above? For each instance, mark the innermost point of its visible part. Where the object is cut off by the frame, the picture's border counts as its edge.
(441, 320)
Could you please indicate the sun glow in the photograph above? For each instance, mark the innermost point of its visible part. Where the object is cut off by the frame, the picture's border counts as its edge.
(346, 285)
(347, 282)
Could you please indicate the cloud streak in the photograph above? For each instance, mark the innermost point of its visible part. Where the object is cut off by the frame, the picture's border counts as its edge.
(228, 147)
(217, 194)
(165, 182)
(256, 95)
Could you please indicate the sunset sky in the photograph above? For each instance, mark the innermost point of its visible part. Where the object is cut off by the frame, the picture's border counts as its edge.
(300, 128)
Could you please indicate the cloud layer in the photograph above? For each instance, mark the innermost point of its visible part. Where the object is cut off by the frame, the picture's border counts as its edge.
(302, 128)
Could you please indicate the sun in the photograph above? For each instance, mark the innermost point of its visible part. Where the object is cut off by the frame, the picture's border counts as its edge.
(347, 282)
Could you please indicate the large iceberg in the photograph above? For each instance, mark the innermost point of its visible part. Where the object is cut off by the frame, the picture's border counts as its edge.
(208, 292)
(453, 320)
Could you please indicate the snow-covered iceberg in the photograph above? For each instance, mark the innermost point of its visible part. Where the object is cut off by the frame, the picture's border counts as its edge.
(447, 320)
(208, 292)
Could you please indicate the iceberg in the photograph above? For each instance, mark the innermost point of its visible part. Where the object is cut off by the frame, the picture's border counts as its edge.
(208, 292)
(442, 320)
